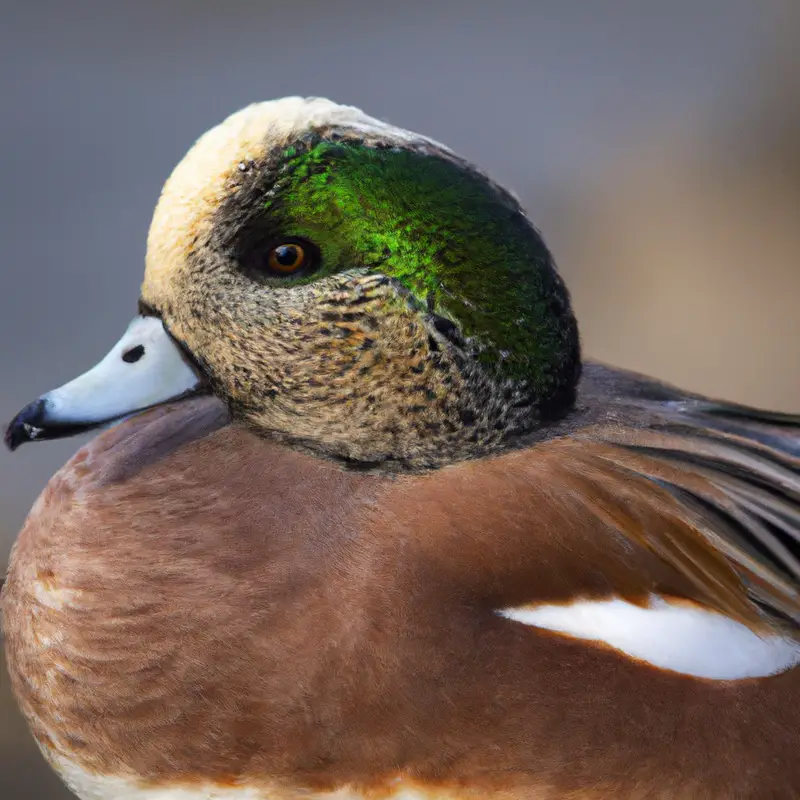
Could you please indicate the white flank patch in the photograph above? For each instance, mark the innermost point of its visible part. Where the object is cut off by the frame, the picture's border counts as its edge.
(677, 637)
(89, 786)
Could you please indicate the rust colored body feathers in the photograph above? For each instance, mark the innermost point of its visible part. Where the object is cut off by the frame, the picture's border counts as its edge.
(302, 625)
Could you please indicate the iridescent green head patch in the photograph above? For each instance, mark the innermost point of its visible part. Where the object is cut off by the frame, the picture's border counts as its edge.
(459, 243)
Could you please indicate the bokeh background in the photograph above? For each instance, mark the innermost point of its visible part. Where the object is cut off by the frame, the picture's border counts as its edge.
(656, 144)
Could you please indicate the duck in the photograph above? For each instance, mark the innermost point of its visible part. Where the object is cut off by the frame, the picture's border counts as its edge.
(359, 520)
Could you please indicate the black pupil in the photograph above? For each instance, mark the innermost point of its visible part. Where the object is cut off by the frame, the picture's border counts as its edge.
(286, 255)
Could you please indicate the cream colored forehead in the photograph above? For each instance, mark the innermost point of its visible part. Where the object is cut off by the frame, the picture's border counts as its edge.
(199, 182)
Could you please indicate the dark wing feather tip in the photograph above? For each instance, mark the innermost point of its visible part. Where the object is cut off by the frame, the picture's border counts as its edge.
(734, 469)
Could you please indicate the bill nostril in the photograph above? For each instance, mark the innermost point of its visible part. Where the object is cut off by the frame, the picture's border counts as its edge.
(133, 355)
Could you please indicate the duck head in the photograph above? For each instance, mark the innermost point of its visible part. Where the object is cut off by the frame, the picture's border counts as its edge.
(342, 284)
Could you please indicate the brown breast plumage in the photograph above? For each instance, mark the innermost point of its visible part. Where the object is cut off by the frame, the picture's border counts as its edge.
(190, 605)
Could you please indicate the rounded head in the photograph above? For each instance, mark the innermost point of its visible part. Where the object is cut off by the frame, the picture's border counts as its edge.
(359, 288)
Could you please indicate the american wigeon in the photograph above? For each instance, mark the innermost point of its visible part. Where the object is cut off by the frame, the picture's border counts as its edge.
(376, 532)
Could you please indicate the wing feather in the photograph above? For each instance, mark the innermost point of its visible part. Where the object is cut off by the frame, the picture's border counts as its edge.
(735, 471)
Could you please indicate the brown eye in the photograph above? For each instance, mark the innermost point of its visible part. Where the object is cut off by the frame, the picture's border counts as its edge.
(286, 259)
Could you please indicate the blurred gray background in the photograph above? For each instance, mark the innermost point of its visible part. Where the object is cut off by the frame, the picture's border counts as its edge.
(655, 144)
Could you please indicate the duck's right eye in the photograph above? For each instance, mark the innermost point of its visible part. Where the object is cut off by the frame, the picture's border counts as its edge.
(287, 258)
(292, 257)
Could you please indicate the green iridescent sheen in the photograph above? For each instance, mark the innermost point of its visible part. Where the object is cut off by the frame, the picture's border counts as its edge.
(452, 238)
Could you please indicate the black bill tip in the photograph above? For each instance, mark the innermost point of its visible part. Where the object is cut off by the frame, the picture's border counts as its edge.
(26, 426)
(33, 424)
